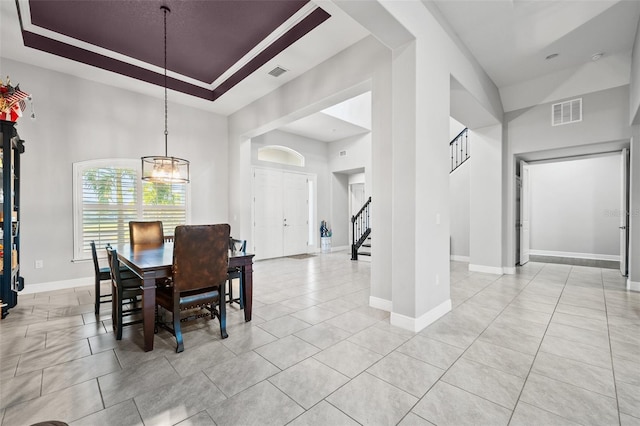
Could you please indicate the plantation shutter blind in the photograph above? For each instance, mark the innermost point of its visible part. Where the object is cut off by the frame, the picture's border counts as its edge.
(165, 202)
(109, 202)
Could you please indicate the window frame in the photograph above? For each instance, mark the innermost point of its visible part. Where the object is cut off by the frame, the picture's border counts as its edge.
(79, 254)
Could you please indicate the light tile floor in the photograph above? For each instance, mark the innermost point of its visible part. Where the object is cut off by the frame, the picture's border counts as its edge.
(551, 345)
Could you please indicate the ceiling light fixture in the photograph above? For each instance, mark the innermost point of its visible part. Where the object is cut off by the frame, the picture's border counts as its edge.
(165, 169)
(553, 55)
(597, 56)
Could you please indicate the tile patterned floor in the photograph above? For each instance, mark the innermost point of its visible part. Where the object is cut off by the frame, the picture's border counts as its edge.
(552, 345)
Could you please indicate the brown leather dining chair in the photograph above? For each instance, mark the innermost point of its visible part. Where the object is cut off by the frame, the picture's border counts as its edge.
(146, 233)
(200, 260)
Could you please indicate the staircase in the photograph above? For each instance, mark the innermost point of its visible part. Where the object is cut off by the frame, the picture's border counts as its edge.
(459, 149)
(361, 232)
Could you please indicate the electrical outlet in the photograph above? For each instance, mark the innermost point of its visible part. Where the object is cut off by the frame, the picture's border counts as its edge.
(437, 279)
(437, 218)
(39, 264)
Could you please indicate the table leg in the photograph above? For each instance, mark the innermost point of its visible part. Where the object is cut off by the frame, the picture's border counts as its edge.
(247, 282)
(148, 308)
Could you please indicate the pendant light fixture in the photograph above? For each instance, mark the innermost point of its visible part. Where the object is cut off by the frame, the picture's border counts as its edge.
(165, 169)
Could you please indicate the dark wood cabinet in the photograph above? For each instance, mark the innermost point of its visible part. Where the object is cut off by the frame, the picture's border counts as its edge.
(12, 282)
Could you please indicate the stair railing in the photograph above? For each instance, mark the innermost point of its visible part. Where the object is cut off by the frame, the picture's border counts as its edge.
(360, 228)
(459, 149)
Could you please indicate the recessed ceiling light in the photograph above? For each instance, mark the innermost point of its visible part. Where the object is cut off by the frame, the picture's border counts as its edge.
(597, 56)
(553, 55)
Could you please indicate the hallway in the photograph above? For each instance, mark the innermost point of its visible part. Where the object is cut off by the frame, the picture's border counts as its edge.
(553, 344)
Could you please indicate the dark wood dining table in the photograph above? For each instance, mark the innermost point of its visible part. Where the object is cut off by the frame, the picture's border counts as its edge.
(152, 262)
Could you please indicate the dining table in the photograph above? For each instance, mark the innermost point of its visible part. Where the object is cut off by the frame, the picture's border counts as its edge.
(151, 262)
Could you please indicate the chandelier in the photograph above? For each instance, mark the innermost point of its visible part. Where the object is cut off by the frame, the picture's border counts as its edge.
(165, 169)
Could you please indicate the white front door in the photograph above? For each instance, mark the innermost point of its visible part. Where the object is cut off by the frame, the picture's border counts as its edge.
(525, 210)
(624, 208)
(280, 213)
(295, 211)
(267, 225)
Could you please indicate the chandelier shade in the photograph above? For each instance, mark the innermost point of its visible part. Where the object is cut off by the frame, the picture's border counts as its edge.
(165, 169)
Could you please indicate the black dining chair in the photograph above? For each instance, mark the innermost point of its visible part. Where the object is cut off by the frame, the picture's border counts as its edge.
(200, 261)
(101, 274)
(127, 295)
(236, 273)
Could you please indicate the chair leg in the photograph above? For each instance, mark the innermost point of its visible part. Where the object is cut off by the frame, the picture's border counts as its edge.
(97, 292)
(178, 331)
(119, 314)
(230, 281)
(241, 291)
(114, 309)
(223, 313)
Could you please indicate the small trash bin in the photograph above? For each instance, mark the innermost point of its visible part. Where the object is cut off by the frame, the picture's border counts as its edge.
(325, 244)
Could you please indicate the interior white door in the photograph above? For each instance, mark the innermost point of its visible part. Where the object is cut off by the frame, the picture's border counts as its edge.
(295, 212)
(356, 201)
(357, 197)
(268, 198)
(624, 208)
(525, 210)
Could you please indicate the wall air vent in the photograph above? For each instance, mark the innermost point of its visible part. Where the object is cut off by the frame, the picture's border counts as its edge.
(566, 112)
(277, 71)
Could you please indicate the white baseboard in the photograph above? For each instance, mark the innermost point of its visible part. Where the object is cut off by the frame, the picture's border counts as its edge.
(417, 324)
(378, 303)
(486, 269)
(458, 258)
(57, 285)
(633, 285)
(590, 256)
(509, 270)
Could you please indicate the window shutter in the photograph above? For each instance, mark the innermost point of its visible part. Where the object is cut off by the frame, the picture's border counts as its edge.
(108, 204)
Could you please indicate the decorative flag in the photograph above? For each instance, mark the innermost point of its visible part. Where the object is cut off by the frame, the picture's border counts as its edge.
(12, 102)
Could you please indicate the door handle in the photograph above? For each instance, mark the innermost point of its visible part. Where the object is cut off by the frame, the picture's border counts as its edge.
(622, 227)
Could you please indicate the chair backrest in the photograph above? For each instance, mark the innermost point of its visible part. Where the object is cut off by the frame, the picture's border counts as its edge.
(114, 265)
(94, 254)
(147, 233)
(200, 256)
(237, 245)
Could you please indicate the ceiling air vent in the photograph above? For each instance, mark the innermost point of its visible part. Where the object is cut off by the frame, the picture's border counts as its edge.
(277, 71)
(566, 112)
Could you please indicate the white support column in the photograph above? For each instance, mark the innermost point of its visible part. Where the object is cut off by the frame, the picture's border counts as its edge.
(633, 281)
(420, 182)
(485, 224)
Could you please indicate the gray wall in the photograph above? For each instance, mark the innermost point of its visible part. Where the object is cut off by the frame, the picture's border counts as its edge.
(574, 205)
(79, 120)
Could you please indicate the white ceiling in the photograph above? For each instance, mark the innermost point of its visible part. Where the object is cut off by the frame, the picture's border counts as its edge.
(511, 38)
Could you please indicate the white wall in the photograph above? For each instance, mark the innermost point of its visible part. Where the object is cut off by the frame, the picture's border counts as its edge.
(459, 200)
(79, 120)
(529, 132)
(574, 206)
(635, 81)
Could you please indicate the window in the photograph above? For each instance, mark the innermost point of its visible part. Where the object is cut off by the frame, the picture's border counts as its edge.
(109, 193)
(281, 154)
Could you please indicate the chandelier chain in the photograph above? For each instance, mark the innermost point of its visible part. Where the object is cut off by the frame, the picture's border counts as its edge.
(166, 115)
